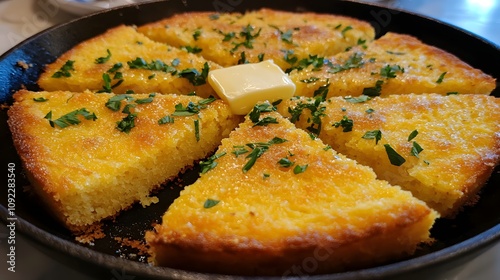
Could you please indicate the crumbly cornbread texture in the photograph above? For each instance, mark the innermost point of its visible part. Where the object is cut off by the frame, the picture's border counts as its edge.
(90, 169)
(392, 64)
(290, 39)
(300, 199)
(449, 144)
(131, 62)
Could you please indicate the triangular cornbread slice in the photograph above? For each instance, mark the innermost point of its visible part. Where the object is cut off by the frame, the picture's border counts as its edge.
(441, 148)
(122, 60)
(290, 39)
(105, 152)
(392, 64)
(272, 197)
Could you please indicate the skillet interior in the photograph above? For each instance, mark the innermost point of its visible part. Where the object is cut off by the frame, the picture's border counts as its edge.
(457, 239)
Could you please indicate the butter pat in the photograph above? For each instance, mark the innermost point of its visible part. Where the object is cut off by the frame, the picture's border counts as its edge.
(243, 86)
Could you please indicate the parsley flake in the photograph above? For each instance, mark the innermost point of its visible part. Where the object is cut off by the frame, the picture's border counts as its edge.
(300, 169)
(104, 59)
(374, 91)
(64, 70)
(209, 203)
(441, 78)
(395, 158)
(210, 163)
(40, 99)
(194, 76)
(70, 118)
(416, 149)
(345, 123)
(373, 134)
(412, 135)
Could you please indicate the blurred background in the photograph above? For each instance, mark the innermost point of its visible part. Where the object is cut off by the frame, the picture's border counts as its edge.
(20, 19)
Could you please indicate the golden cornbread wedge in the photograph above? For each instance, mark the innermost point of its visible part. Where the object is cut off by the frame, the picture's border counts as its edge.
(448, 146)
(392, 64)
(290, 39)
(95, 161)
(299, 201)
(122, 60)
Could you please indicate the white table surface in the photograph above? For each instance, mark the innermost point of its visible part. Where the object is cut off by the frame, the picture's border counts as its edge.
(19, 19)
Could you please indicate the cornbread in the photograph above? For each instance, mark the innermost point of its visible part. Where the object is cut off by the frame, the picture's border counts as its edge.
(290, 39)
(392, 64)
(101, 164)
(132, 62)
(449, 145)
(300, 200)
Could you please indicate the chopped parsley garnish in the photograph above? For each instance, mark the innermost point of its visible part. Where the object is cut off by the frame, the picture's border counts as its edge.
(166, 119)
(260, 56)
(416, 149)
(209, 203)
(395, 158)
(266, 121)
(127, 123)
(210, 163)
(347, 28)
(354, 61)
(389, 71)
(146, 100)
(359, 99)
(373, 134)
(317, 112)
(285, 36)
(345, 123)
(310, 80)
(197, 34)
(239, 150)
(194, 49)
(194, 76)
(248, 37)
(327, 147)
(40, 99)
(115, 67)
(154, 65)
(103, 59)
(441, 78)
(189, 110)
(197, 130)
(258, 109)
(369, 111)
(258, 149)
(70, 118)
(114, 103)
(108, 87)
(243, 58)
(64, 70)
(151, 76)
(374, 91)
(314, 60)
(300, 168)
(322, 91)
(452, 93)
(395, 53)
(227, 36)
(285, 162)
(412, 135)
(214, 16)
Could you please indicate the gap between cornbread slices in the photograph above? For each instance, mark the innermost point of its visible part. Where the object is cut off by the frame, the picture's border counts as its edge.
(289, 38)
(122, 60)
(116, 152)
(441, 148)
(272, 196)
(392, 64)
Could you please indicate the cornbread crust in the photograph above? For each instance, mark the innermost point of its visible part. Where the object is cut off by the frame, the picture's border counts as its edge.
(91, 171)
(125, 45)
(335, 213)
(301, 34)
(420, 69)
(459, 134)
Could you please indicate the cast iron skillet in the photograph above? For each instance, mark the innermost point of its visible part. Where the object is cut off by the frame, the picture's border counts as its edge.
(458, 240)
